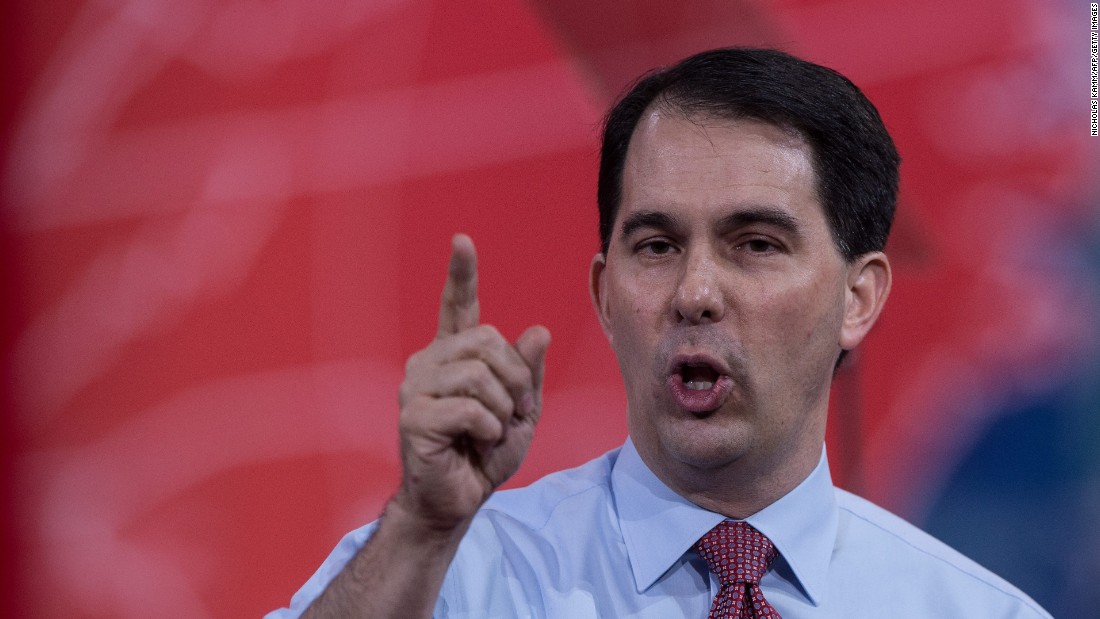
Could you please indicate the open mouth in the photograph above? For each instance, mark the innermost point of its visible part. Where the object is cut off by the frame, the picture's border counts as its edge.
(699, 383)
(698, 376)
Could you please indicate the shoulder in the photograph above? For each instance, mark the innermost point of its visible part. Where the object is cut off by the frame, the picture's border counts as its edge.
(867, 521)
(889, 545)
(528, 541)
(559, 515)
(558, 495)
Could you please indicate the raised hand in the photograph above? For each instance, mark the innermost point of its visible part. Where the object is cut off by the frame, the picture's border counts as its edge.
(469, 404)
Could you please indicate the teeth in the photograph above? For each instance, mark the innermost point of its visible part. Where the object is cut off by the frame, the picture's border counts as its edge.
(699, 385)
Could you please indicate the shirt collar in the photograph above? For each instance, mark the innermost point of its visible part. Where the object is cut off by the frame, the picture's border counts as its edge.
(659, 526)
(803, 526)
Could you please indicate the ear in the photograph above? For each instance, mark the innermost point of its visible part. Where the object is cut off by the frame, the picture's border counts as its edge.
(868, 286)
(597, 288)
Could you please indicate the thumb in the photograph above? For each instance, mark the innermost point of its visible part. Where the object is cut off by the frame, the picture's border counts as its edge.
(532, 345)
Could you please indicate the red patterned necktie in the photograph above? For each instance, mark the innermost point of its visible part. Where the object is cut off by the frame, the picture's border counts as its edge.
(739, 555)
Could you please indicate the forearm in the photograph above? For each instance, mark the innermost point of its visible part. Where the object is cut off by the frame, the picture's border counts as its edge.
(398, 573)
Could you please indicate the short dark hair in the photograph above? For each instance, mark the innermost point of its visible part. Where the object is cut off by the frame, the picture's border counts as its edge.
(855, 160)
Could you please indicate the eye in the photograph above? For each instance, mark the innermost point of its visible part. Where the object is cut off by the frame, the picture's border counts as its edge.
(759, 245)
(655, 247)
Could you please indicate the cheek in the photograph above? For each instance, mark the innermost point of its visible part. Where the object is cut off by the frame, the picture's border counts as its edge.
(803, 318)
(635, 332)
(629, 333)
(634, 310)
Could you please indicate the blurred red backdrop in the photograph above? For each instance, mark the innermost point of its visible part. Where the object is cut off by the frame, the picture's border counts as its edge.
(225, 225)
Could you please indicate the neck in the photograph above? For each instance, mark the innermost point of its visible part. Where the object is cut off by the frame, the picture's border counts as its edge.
(739, 489)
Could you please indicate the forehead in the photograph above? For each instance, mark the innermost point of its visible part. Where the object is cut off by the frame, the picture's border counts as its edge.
(704, 162)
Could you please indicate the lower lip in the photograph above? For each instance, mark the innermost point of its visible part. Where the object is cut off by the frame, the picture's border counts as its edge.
(700, 400)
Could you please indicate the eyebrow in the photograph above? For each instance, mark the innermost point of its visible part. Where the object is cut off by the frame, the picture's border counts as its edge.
(649, 219)
(765, 215)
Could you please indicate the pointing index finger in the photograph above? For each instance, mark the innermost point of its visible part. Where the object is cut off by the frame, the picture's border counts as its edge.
(459, 309)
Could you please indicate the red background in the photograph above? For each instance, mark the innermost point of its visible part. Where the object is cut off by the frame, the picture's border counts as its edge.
(225, 225)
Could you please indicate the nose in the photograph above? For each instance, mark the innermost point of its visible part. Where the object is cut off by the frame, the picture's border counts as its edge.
(698, 296)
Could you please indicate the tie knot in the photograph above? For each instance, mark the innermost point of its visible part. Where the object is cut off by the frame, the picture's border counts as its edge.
(736, 552)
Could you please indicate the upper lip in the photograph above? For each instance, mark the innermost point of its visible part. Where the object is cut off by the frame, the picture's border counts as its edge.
(680, 360)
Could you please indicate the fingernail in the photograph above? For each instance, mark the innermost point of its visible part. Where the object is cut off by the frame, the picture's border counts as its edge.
(527, 405)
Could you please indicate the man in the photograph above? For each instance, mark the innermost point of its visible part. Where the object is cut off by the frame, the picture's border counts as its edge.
(745, 199)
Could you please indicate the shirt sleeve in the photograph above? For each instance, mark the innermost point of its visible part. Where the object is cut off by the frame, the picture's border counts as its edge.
(333, 565)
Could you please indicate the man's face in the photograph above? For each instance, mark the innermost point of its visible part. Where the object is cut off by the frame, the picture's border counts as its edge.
(724, 299)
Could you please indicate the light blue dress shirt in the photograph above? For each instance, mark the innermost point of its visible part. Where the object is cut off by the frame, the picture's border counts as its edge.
(609, 540)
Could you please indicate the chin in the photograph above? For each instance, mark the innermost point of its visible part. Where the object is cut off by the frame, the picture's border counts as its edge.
(701, 447)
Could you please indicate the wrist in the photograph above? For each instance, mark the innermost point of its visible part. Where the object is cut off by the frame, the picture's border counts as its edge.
(402, 516)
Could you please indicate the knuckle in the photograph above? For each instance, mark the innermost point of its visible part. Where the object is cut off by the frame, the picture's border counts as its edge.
(413, 362)
(488, 334)
(416, 408)
(451, 301)
(481, 376)
(469, 408)
(525, 375)
(405, 393)
(520, 377)
(406, 420)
